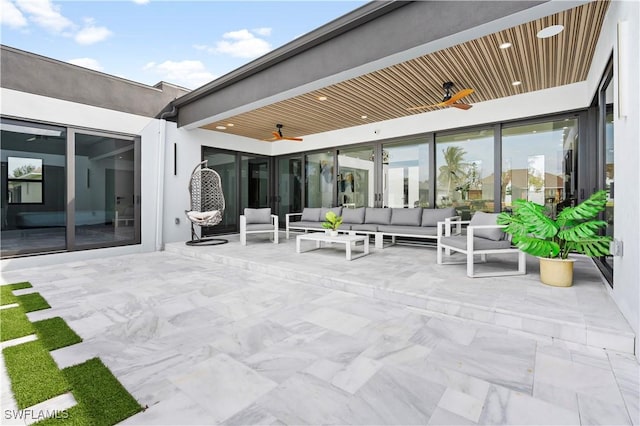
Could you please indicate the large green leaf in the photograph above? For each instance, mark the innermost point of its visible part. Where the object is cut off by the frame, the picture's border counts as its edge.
(582, 231)
(593, 247)
(587, 209)
(536, 246)
(537, 222)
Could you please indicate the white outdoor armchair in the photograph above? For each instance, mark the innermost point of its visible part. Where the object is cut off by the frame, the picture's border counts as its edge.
(484, 236)
(258, 221)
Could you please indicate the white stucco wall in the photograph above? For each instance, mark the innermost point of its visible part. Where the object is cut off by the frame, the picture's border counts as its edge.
(27, 106)
(626, 278)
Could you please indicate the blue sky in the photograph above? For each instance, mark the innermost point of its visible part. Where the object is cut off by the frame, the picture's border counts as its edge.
(183, 42)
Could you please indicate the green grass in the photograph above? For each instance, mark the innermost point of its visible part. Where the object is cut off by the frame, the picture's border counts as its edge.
(54, 333)
(103, 398)
(14, 323)
(32, 302)
(34, 375)
(74, 416)
(6, 292)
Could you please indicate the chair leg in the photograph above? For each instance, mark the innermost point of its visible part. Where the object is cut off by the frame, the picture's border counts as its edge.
(522, 263)
(275, 236)
(469, 263)
(439, 251)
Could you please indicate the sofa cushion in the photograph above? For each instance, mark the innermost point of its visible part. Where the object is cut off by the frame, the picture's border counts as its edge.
(409, 230)
(460, 241)
(311, 214)
(378, 216)
(365, 227)
(305, 224)
(406, 217)
(325, 210)
(258, 215)
(482, 218)
(353, 216)
(431, 217)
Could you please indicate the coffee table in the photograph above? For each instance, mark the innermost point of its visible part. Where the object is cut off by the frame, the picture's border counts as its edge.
(322, 240)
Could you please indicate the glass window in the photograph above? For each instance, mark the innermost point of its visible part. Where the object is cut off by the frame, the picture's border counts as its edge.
(356, 177)
(254, 181)
(538, 163)
(464, 172)
(105, 196)
(319, 180)
(289, 190)
(406, 174)
(225, 164)
(33, 188)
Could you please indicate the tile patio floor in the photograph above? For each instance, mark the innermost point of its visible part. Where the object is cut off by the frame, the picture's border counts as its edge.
(262, 335)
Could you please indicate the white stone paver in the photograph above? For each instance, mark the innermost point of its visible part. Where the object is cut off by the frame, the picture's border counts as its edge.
(202, 342)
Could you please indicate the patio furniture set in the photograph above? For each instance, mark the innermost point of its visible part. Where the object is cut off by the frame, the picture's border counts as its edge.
(483, 235)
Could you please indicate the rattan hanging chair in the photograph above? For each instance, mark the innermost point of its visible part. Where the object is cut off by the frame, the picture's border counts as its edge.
(207, 203)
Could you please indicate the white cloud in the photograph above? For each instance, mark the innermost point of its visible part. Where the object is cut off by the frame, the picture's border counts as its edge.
(11, 16)
(87, 63)
(264, 31)
(91, 34)
(190, 74)
(45, 14)
(242, 44)
(141, 1)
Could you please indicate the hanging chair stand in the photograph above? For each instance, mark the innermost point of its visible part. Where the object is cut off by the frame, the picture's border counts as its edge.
(207, 204)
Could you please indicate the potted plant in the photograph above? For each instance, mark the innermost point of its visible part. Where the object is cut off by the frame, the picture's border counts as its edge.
(575, 229)
(332, 223)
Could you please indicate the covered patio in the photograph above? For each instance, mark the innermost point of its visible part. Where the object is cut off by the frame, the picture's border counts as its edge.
(260, 334)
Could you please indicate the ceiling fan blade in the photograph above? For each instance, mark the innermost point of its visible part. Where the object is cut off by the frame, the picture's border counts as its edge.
(461, 94)
(426, 106)
(293, 139)
(461, 106)
(276, 135)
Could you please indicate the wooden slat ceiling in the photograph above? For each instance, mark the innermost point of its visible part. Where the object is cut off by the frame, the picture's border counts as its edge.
(479, 64)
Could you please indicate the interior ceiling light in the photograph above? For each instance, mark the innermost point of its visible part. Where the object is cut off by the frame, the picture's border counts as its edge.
(505, 45)
(221, 127)
(550, 31)
(516, 83)
(322, 98)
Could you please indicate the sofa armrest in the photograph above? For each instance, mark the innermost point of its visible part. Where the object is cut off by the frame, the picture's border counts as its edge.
(287, 220)
(455, 220)
(274, 220)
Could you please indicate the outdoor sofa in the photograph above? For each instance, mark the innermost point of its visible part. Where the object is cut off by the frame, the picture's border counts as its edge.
(418, 222)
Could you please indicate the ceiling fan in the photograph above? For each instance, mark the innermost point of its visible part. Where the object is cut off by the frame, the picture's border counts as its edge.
(449, 100)
(277, 135)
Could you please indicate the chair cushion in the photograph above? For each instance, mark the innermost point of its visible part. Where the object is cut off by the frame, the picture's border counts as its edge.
(353, 216)
(311, 214)
(200, 216)
(260, 227)
(460, 241)
(406, 217)
(483, 218)
(258, 215)
(325, 210)
(431, 217)
(377, 215)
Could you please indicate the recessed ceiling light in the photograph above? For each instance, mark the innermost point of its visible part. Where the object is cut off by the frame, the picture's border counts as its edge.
(505, 45)
(550, 31)
(322, 98)
(230, 124)
(516, 83)
(364, 117)
(221, 127)
(535, 131)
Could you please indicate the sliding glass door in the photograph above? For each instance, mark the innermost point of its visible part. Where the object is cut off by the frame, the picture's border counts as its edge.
(289, 192)
(356, 177)
(65, 189)
(406, 179)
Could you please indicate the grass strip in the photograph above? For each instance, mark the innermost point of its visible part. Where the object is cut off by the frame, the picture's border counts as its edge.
(6, 292)
(74, 416)
(34, 375)
(32, 302)
(14, 323)
(104, 400)
(54, 333)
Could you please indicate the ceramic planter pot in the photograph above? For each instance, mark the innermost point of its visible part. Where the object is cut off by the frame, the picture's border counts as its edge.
(556, 272)
(331, 232)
